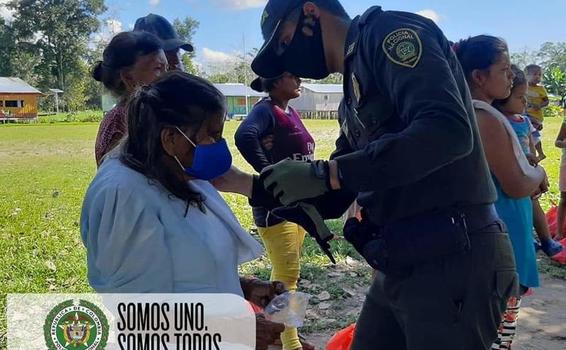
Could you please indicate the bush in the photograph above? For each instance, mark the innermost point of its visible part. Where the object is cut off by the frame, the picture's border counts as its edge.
(71, 117)
(553, 111)
(92, 117)
(89, 116)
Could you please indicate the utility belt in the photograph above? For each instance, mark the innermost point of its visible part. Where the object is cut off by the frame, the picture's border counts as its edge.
(423, 238)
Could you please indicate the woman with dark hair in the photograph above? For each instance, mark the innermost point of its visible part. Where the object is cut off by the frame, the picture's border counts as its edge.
(151, 220)
(486, 64)
(275, 124)
(130, 60)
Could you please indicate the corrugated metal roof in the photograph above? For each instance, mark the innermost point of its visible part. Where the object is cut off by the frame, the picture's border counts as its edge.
(237, 90)
(16, 86)
(324, 88)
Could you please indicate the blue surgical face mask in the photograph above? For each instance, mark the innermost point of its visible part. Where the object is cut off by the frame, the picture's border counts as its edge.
(209, 161)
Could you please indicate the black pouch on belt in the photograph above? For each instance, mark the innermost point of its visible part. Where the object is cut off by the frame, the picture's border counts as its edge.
(425, 237)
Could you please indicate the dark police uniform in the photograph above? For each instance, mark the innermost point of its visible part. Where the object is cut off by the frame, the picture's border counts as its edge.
(409, 146)
(410, 151)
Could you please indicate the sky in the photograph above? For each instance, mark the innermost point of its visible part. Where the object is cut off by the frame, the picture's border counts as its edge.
(227, 25)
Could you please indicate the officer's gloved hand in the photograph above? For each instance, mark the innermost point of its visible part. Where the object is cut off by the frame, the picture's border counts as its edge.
(291, 181)
(307, 216)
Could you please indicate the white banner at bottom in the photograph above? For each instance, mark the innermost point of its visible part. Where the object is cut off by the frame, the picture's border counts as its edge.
(129, 322)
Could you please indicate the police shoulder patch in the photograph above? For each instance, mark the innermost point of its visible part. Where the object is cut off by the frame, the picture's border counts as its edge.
(403, 47)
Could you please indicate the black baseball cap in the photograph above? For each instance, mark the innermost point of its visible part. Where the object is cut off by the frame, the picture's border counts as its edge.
(267, 63)
(161, 27)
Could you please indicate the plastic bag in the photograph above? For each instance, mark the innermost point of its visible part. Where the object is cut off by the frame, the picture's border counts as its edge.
(288, 308)
(342, 340)
(552, 220)
(561, 257)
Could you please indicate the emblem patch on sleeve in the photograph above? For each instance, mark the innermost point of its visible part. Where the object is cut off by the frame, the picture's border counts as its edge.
(403, 47)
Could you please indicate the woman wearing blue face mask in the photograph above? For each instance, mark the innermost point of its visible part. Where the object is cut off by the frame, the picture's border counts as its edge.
(152, 222)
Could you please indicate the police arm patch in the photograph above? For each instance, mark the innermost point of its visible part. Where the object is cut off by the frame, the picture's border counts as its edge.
(403, 47)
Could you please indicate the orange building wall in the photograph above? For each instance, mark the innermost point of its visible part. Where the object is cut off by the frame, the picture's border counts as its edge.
(29, 110)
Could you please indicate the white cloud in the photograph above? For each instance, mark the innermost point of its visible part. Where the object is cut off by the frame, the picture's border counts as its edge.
(430, 14)
(217, 57)
(114, 26)
(5, 12)
(212, 61)
(239, 4)
(37, 36)
(154, 2)
(107, 30)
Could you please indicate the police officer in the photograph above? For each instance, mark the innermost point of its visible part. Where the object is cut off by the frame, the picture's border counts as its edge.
(409, 150)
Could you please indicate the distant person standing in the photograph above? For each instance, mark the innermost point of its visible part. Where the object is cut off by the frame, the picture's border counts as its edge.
(561, 143)
(273, 118)
(537, 99)
(114, 126)
(172, 44)
(130, 60)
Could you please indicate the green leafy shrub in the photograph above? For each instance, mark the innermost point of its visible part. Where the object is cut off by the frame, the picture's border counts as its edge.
(553, 111)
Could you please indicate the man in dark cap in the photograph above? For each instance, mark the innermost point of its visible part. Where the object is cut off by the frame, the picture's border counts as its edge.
(172, 44)
(409, 149)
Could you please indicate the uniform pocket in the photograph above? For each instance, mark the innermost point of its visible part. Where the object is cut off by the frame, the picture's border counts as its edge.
(506, 285)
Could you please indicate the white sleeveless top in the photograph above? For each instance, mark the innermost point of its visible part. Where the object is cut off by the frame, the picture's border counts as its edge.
(517, 150)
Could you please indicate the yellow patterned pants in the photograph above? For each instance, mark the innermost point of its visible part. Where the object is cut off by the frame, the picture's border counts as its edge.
(283, 243)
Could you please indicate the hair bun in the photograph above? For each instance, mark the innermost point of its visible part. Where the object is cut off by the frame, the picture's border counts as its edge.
(455, 46)
(97, 71)
(460, 46)
(149, 95)
(257, 85)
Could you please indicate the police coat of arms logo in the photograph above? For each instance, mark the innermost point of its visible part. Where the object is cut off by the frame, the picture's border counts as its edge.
(77, 325)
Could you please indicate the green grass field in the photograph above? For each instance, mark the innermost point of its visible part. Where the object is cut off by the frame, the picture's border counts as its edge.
(45, 170)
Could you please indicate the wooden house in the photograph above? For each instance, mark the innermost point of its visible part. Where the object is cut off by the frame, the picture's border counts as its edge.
(236, 96)
(318, 101)
(18, 100)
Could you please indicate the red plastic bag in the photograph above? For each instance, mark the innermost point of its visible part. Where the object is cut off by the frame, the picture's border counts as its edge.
(552, 220)
(256, 309)
(561, 257)
(342, 340)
